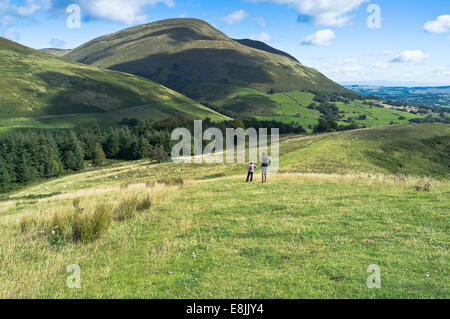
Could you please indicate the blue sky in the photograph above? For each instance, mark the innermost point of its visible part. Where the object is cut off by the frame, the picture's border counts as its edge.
(410, 45)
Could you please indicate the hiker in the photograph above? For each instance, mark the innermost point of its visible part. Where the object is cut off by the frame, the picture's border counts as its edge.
(251, 171)
(265, 162)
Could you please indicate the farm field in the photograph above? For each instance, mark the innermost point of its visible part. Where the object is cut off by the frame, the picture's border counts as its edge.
(311, 232)
(293, 107)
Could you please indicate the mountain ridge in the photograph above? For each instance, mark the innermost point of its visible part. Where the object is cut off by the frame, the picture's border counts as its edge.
(260, 45)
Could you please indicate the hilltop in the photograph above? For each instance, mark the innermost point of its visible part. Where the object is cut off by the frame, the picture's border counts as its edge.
(36, 85)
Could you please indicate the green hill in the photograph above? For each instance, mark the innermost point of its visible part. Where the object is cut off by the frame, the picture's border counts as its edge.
(38, 86)
(192, 57)
(418, 150)
(300, 235)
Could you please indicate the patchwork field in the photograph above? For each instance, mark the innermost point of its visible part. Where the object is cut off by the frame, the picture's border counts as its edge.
(311, 232)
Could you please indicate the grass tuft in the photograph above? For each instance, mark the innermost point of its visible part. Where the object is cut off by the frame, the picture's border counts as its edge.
(172, 181)
(126, 210)
(89, 228)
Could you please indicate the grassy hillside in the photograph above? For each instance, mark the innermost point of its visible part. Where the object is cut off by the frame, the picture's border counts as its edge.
(36, 85)
(192, 57)
(302, 235)
(57, 52)
(293, 107)
(418, 150)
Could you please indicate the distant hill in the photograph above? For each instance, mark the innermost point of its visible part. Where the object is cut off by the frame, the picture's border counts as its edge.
(34, 83)
(57, 52)
(264, 47)
(420, 96)
(192, 57)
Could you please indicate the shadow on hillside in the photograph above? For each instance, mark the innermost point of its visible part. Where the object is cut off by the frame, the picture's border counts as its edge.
(180, 70)
(71, 94)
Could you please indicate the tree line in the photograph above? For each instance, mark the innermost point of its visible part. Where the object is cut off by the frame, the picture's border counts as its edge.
(28, 156)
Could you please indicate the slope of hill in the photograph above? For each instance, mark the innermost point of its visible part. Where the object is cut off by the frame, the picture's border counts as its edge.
(36, 84)
(333, 226)
(418, 150)
(193, 58)
(259, 45)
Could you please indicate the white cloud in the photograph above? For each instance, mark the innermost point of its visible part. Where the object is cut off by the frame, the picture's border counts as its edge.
(442, 71)
(11, 35)
(441, 25)
(261, 21)
(7, 20)
(347, 61)
(322, 12)
(236, 17)
(410, 56)
(380, 66)
(342, 72)
(123, 11)
(321, 38)
(263, 37)
(386, 52)
(27, 9)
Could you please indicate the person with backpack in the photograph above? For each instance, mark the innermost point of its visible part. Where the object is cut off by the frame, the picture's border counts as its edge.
(265, 162)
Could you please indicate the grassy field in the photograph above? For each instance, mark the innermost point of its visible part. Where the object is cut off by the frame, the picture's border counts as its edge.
(311, 232)
(56, 121)
(293, 107)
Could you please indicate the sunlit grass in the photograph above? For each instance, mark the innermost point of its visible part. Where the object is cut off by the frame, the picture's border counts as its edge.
(202, 232)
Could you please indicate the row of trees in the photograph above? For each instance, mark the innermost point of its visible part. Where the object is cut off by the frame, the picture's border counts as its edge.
(27, 156)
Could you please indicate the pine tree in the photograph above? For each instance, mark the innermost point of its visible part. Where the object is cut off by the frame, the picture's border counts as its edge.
(112, 146)
(73, 155)
(144, 147)
(99, 155)
(5, 176)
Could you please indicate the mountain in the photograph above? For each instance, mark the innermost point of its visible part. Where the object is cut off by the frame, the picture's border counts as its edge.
(192, 57)
(34, 83)
(264, 47)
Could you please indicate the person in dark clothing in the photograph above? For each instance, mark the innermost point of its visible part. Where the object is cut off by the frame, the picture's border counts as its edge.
(251, 172)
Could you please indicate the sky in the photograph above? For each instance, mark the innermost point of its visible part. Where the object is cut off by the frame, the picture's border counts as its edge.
(380, 42)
